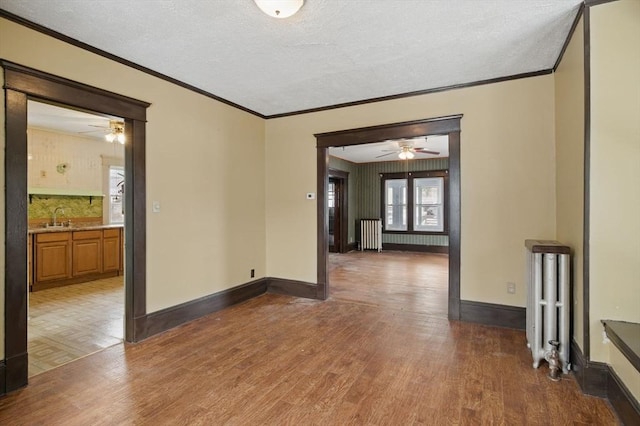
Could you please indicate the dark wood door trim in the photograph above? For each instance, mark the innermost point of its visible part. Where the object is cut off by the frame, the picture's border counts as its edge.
(586, 230)
(450, 126)
(343, 178)
(20, 85)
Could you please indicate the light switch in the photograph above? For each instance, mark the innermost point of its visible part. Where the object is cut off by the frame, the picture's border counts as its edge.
(155, 206)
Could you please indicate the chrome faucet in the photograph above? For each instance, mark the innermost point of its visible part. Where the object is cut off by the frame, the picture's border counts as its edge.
(55, 215)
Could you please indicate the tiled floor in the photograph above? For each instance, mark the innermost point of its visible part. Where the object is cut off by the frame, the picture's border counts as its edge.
(70, 322)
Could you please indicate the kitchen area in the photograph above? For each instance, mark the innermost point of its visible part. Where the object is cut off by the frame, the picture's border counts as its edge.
(75, 240)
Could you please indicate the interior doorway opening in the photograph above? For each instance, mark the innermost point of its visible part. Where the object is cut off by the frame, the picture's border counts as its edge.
(338, 212)
(75, 172)
(446, 126)
(22, 84)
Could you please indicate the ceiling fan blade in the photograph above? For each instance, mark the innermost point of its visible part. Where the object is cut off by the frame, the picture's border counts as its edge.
(93, 131)
(95, 125)
(425, 151)
(384, 155)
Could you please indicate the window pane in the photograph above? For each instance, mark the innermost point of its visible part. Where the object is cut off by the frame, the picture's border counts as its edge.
(429, 218)
(396, 204)
(428, 204)
(116, 194)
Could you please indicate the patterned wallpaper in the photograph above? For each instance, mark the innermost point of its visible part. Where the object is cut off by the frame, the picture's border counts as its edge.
(365, 180)
(42, 206)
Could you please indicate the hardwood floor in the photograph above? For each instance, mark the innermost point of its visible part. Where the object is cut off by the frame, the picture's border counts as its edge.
(416, 282)
(67, 323)
(279, 360)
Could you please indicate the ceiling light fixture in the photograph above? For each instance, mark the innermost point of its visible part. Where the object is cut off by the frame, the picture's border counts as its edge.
(279, 8)
(406, 153)
(116, 133)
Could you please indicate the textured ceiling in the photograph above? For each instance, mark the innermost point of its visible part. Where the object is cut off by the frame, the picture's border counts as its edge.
(331, 52)
(65, 120)
(389, 150)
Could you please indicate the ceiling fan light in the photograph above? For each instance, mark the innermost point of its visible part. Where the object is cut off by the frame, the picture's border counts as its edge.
(402, 155)
(279, 8)
(120, 138)
(409, 155)
(110, 137)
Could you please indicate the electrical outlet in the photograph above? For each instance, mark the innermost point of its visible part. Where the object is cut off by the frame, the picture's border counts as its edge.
(511, 288)
(253, 273)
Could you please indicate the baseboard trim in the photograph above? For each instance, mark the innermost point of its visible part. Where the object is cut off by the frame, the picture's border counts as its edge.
(157, 322)
(13, 373)
(3, 379)
(592, 377)
(415, 248)
(623, 402)
(292, 288)
(493, 314)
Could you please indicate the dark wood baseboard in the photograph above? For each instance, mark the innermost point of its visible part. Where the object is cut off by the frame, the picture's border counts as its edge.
(157, 322)
(492, 314)
(14, 373)
(416, 248)
(591, 376)
(352, 247)
(623, 402)
(3, 379)
(292, 288)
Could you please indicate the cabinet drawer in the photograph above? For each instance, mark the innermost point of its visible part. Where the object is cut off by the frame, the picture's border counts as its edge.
(52, 236)
(87, 235)
(111, 233)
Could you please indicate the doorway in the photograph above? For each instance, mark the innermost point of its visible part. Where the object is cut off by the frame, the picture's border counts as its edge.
(22, 84)
(74, 174)
(449, 126)
(338, 211)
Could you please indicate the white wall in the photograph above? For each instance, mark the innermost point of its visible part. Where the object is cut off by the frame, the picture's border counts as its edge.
(508, 179)
(83, 155)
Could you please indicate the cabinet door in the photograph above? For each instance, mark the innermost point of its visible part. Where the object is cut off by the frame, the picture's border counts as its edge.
(29, 264)
(111, 250)
(87, 257)
(53, 260)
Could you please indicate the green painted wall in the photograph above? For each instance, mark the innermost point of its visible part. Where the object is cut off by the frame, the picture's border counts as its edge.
(364, 194)
(42, 206)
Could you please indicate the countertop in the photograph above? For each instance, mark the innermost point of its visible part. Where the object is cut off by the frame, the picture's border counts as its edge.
(73, 227)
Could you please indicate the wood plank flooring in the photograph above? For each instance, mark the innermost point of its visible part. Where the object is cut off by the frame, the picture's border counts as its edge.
(279, 360)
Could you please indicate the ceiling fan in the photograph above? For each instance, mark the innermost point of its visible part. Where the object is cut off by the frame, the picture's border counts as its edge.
(406, 150)
(113, 132)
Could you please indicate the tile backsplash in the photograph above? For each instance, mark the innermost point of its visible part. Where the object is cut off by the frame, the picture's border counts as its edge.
(42, 206)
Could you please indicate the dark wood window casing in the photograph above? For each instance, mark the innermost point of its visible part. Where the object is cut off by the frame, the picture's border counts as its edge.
(410, 176)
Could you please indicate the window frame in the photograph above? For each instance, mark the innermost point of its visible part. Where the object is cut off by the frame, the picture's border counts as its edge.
(410, 176)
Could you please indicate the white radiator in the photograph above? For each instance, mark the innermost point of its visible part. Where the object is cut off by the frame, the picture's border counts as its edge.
(548, 303)
(371, 234)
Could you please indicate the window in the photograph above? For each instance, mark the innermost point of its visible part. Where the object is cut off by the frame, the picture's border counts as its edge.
(396, 204)
(414, 202)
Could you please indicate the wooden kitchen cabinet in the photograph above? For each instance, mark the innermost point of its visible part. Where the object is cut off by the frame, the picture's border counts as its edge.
(87, 252)
(73, 257)
(111, 250)
(29, 264)
(52, 256)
